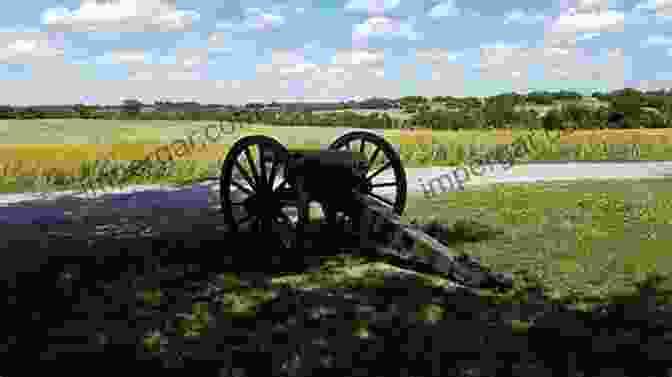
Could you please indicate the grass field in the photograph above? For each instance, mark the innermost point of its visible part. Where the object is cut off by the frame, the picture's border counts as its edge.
(581, 243)
(585, 242)
(64, 148)
(591, 238)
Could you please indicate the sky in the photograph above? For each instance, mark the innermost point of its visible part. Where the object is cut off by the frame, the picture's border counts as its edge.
(233, 52)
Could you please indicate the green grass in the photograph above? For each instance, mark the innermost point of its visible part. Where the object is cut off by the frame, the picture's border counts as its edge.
(582, 243)
(447, 149)
(593, 237)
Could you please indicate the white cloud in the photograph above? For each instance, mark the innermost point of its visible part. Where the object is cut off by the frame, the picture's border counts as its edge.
(615, 52)
(384, 26)
(573, 22)
(359, 70)
(121, 16)
(28, 48)
(127, 57)
(168, 72)
(592, 5)
(520, 16)
(185, 64)
(300, 10)
(287, 63)
(505, 61)
(372, 6)
(358, 57)
(435, 56)
(216, 39)
(498, 54)
(445, 9)
(657, 40)
(216, 43)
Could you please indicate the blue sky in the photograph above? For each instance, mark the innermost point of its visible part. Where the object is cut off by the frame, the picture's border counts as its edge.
(103, 51)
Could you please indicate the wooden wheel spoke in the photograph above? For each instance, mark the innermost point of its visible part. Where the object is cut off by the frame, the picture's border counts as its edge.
(282, 184)
(246, 176)
(253, 167)
(376, 165)
(373, 157)
(386, 184)
(274, 171)
(263, 165)
(361, 146)
(242, 188)
(246, 218)
(385, 167)
(384, 200)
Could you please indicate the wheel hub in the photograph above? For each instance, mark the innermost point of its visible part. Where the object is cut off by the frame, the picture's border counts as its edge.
(365, 186)
(261, 203)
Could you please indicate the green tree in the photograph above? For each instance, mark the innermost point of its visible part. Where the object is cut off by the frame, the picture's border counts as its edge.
(553, 120)
(628, 101)
(7, 112)
(500, 110)
(83, 111)
(132, 107)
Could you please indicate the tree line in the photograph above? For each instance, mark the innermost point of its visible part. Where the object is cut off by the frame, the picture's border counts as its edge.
(633, 109)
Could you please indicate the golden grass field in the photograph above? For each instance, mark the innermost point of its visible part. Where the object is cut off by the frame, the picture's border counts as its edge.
(32, 158)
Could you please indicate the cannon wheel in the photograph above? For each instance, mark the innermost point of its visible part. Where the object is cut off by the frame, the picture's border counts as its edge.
(372, 145)
(251, 192)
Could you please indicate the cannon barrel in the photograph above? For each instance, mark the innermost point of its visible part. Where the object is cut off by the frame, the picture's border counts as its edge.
(327, 172)
(339, 179)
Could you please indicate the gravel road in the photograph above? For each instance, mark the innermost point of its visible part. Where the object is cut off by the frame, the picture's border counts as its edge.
(62, 207)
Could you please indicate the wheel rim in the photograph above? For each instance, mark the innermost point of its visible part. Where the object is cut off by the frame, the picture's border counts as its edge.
(388, 189)
(250, 189)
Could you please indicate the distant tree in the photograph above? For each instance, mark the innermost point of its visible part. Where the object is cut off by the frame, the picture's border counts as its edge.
(7, 112)
(132, 106)
(567, 95)
(628, 102)
(575, 113)
(416, 100)
(552, 120)
(540, 98)
(615, 120)
(83, 111)
(30, 113)
(500, 110)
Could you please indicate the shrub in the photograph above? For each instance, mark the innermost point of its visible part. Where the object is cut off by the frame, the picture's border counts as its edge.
(553, 120)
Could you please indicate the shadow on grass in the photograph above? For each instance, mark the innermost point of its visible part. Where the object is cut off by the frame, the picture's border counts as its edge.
(463, 230)
(203, 300)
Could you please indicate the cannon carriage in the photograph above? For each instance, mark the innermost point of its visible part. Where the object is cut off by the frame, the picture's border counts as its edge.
(266, 188)
(358, 181)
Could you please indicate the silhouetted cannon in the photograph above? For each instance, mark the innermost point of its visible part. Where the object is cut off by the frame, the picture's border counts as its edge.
(267, 189)
(263, 186)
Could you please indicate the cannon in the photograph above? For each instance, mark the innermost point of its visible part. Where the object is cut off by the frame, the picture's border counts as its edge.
(267, 189)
